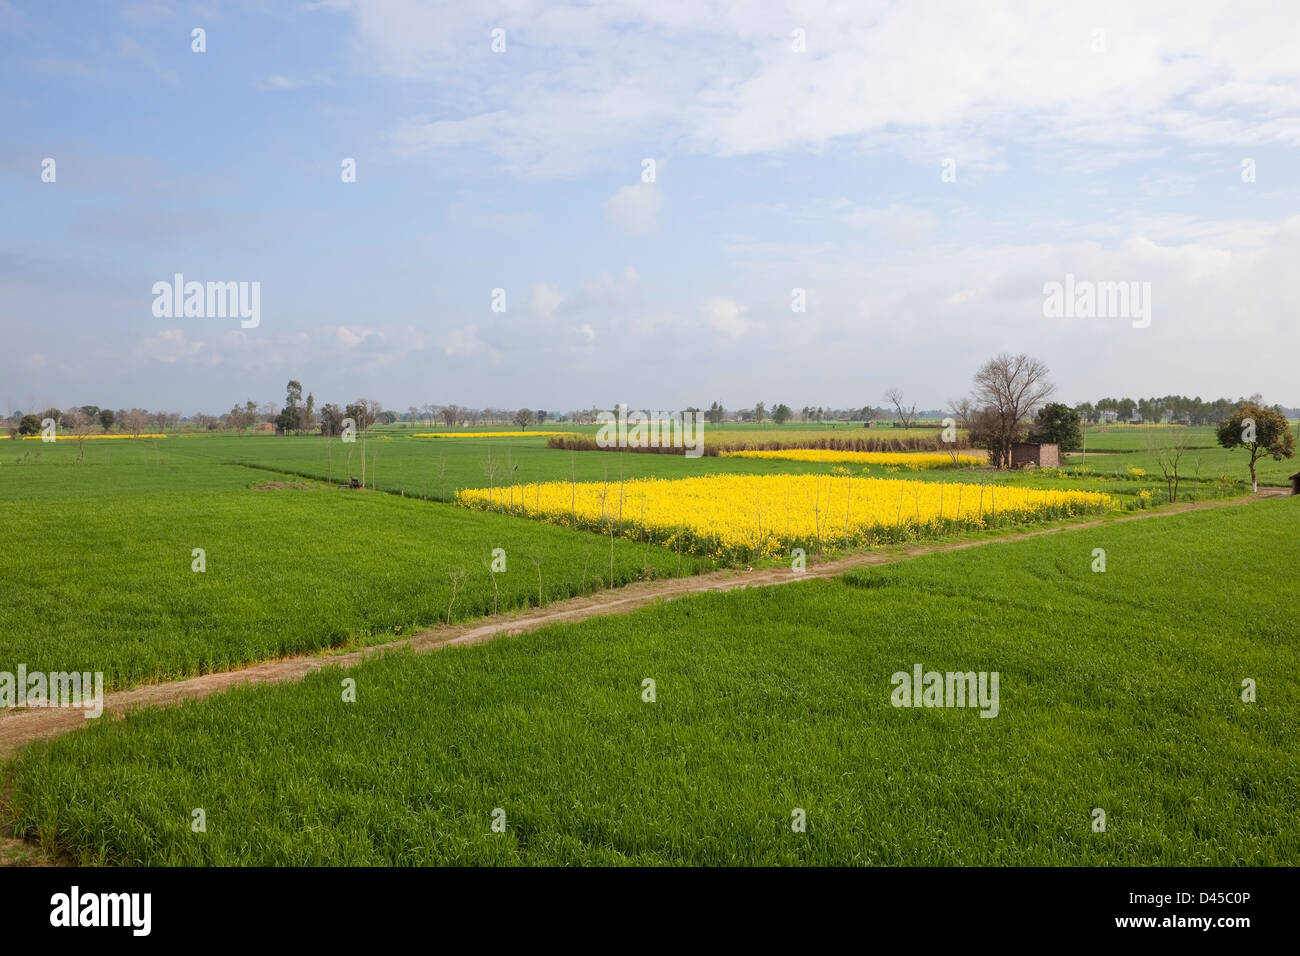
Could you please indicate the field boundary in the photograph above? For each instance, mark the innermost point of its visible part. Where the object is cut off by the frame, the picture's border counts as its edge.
(19, 728)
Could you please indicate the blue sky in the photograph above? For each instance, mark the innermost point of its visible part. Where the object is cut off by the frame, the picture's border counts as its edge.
(1114, 157)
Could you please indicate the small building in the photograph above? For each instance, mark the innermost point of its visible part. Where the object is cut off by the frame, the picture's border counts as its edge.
(264, 428)
(1295, 483)
(1038, 454)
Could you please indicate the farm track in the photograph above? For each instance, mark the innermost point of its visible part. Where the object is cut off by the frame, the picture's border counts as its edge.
(18, 729)
(27, 726)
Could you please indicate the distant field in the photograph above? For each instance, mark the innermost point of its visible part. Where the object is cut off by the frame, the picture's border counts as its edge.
(436, 468)
(1118, 691)
(907, 460)
(95, 558)
(1132, 447)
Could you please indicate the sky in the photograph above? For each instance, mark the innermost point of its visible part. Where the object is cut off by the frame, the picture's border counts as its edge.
(655, 189)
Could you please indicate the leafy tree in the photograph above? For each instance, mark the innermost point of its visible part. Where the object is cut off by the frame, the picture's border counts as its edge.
(106, 419)
(1262, 431)
(291, 419)
(715, 414)
(29, 425)
(364, 411)
(242, 417)
(1150, 410)
(1060, 424)
(781, 414)
(760, 412)
(331, 420)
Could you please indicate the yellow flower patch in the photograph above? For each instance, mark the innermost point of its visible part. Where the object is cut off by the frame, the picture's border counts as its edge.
(766, 515)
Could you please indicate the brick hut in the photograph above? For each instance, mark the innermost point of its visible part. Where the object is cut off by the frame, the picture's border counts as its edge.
(1295, 483)
(1039, 454)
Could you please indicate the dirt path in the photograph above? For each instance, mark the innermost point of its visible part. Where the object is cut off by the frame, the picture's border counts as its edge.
(25, 726)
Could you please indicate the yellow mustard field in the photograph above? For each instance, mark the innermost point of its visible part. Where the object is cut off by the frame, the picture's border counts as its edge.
(913, 461)
(733, 516)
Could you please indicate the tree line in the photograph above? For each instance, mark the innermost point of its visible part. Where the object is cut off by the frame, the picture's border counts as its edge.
(1175, 408)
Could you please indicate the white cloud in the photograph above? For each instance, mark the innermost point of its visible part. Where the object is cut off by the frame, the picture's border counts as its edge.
(580, 81)
(635, 209)
(605, 292)
(545, 299)
(172, 345)
(347, 338)
(727, 316)
(464, 341)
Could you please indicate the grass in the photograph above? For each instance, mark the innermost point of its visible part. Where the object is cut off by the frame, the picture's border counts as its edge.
(435, 468)
(95, 558)
(1119, 691)
(96, 566)
(1132, 447)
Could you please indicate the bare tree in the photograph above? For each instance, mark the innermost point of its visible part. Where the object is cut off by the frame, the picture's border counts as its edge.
(1168, 457)
(79, 425)
(450, 415)
(906, 415)
(134, 421)
(458, 578)
(962, 409)
(1009, 388)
